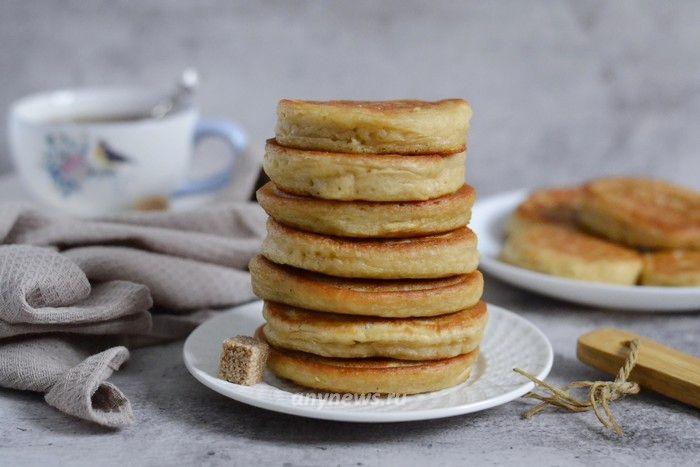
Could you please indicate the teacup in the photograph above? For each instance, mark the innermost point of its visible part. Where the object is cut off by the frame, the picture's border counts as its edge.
(94, 152)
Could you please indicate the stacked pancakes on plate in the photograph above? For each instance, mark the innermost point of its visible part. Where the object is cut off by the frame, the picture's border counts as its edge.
(368, 271)
(620, 230)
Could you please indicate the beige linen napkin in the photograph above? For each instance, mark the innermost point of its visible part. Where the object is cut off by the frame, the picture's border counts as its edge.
(71, 290)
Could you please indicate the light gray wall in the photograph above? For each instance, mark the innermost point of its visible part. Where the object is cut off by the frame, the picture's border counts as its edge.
(562, 90)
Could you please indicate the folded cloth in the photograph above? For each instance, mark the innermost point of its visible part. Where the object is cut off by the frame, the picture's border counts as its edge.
(71, 289)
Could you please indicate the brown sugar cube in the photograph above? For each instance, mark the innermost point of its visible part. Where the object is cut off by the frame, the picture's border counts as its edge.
(152, 203)
(243, 360)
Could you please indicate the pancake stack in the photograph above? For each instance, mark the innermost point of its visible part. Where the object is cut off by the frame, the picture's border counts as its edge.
(368, 271)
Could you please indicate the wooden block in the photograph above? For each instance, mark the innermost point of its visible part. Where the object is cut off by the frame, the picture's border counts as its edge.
(659, 368)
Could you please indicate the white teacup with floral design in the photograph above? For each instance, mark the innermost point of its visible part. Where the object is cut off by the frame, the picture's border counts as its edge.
(94, 152)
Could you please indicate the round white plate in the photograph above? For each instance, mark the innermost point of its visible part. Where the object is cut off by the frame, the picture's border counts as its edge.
(510, 341)
(488, 220)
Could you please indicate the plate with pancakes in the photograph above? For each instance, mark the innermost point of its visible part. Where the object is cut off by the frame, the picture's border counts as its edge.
(625, 243)
(371, 298)
(509, 341)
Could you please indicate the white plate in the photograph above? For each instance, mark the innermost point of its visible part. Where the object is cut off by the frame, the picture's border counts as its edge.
(510, 341)
(488, 220)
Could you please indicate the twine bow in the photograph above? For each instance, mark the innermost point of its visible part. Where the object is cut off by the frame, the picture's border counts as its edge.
(600, 393)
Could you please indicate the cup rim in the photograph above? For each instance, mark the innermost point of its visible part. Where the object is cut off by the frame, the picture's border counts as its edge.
(62, 95)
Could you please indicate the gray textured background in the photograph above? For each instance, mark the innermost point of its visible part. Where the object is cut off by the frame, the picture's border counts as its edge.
(562, 91)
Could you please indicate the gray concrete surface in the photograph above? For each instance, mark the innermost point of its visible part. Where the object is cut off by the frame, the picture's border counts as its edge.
(181, 422)
(562, 91)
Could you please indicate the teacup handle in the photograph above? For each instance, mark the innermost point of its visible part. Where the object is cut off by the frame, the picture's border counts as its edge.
(237, 142)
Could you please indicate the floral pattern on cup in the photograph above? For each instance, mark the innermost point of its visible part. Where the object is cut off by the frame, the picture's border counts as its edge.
(70, 162)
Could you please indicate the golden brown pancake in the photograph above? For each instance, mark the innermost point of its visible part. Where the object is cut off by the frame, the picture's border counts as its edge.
(347, 336)
(404, 126)
(679, 268)
(388, 298)
(369, 375)
(368, 177)
(368, 218)
(563, 251)
(431, 256)
(642, 213)
(550, 206)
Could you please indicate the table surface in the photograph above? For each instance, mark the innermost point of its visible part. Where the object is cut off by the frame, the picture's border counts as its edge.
(181, 421)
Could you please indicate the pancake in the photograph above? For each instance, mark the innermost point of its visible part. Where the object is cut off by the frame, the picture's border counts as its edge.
(642, 213)
(550, 206)
(368, 218)
(405, 126)
(368, 177)
(672, 268)
(563, 251)
(431, 256)
(369, 375)
(393, 299)
(347, 336)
